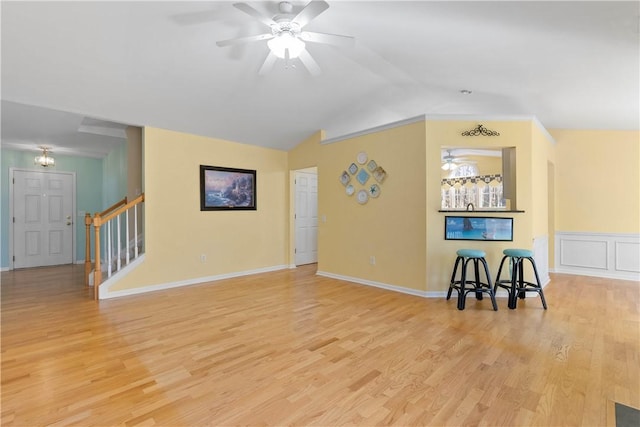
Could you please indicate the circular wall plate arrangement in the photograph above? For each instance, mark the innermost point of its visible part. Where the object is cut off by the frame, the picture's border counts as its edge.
(362, 174)
(363, 197)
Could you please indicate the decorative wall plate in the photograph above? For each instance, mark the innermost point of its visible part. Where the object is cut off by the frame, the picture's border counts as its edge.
(374, 191)
(350, 190)
(345, 178)
(353, 168)
(372, 165)
(363, 196)
(379, 174)
(362, 157)
(363, 176)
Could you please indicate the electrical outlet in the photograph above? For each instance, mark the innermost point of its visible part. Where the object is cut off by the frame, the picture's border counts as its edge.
(203, 258)
(372, 260)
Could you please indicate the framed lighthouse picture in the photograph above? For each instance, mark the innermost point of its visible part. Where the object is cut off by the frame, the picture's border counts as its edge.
(224, 189)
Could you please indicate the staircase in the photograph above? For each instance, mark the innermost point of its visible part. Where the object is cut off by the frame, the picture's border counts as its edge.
(117, 227)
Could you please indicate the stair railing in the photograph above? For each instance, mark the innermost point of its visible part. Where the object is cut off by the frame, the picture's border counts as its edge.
(88, 221)
(111, 219)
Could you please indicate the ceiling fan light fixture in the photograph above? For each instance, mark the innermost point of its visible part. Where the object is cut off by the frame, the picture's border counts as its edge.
(448, 166)
(286, 41)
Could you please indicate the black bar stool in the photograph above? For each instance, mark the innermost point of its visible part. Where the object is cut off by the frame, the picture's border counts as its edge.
(516, 286)
(476, 285)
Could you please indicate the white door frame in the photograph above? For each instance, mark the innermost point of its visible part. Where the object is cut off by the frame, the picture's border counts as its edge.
(11, 211)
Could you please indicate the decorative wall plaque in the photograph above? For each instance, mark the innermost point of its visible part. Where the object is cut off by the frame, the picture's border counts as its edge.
(480, 131)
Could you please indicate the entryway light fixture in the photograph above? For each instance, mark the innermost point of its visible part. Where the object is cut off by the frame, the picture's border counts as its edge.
(44, 160)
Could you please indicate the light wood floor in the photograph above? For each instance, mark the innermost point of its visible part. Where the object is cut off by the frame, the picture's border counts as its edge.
(292, 348)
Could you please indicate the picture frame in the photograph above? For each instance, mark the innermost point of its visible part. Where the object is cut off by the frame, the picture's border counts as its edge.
(478, 228)
(223, 188)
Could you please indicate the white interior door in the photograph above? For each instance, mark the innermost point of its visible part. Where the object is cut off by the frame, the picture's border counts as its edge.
(306, 218)
(42, 218)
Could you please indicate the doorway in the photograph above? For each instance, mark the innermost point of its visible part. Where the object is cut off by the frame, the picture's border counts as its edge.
(306, 216)
(42, 206)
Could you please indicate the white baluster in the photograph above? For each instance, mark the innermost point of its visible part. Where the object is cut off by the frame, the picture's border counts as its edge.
(128, 239)
(109, 248)
(135, 231)
(119, 262)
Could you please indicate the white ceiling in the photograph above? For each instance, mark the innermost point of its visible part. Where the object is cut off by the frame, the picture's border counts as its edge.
(571, 64)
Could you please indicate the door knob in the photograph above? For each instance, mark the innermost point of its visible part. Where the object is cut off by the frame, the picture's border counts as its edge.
(68, 222)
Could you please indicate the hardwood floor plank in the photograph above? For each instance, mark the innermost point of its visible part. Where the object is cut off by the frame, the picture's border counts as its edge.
(293, 348)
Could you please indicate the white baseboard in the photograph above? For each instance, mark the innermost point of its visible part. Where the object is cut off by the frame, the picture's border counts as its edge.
(606, 255)
(401, 289)
(105, 294)
(501, 293)
(602, 275)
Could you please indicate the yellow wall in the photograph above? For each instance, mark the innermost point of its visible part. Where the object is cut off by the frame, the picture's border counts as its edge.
(441, 253)
(391, 227)
(487, 165)
(597, 181)
(135, 166)
(306, 154)
(134, 162)
(541, 154)
(542, 161)
(402, 228)
(177, 232)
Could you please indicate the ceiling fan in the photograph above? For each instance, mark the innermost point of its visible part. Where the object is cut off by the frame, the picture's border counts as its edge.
(286, 37)
(450, 162)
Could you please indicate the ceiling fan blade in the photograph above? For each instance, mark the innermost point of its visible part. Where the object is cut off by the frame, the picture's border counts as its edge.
(310, 11)
(254, 13)
(310, 64)
(333, 39)
(241, 40)
(268, 63)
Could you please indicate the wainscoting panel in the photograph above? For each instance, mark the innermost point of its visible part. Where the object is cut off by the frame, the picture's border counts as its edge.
(584, 253)
(627, 256)
(615, 256)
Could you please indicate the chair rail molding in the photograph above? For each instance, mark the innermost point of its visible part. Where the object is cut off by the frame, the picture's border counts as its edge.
(608, 255)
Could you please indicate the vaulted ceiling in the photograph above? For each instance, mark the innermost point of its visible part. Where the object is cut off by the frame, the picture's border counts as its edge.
(103, 65)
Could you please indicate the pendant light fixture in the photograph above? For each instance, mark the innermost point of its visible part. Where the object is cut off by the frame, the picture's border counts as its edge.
(44, 160)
